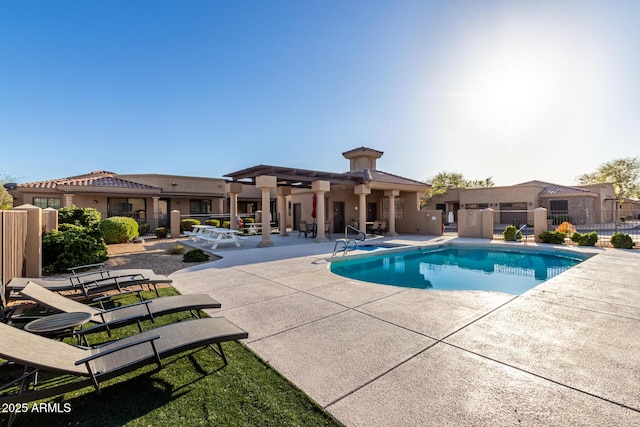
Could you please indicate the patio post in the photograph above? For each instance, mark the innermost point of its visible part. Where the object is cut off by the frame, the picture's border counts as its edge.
(233, 188)
(392, 194)
(320, 187)
(265, 183)
(282, 193)
(362, 191)
(153, 221)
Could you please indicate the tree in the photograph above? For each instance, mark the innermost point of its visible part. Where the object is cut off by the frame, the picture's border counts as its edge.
(445, 180)
(623, 173)
(6, 199)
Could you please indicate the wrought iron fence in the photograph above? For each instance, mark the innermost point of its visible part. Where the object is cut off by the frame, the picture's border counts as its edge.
(605, 229)
(147, 223)
(521, 219)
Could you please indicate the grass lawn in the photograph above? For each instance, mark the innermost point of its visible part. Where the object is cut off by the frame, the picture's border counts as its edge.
(191, 389)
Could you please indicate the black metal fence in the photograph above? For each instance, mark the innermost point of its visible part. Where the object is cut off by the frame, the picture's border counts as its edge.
(521, 219)
(562, 221)
(147, 223)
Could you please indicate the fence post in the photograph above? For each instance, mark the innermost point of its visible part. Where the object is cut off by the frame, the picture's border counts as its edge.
(175, 224)
(487, 223)
(34, 240)
(539, 223)
(49, 220)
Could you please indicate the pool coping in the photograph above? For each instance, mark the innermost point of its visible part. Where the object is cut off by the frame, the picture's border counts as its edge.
(561, 353)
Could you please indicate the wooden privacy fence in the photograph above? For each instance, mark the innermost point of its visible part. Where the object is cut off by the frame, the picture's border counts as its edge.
(13, 248)
(21, 231)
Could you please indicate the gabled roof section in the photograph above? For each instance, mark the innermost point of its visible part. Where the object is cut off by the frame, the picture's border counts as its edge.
(555, 189)
(100, 179)
(373, 175)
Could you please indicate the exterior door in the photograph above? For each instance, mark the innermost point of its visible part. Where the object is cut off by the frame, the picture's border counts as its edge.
(338, 217)
(297, 215)
(372, 212)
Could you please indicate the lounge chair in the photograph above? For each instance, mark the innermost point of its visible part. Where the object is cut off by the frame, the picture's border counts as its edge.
(82, 366)
(123, 315)
(93, 282)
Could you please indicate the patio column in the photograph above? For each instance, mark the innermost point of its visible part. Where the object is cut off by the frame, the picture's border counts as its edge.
(362, 191)
(392, 194)
(320, 187)
(220, 208)
(265, 183)
(233, 188)
(282, 193)
(68, 202)
(155, 212)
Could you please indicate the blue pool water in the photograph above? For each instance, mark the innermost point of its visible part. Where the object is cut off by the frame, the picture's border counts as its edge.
(458, 268)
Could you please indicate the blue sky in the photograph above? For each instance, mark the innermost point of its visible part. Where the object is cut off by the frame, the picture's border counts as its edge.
(516, 90)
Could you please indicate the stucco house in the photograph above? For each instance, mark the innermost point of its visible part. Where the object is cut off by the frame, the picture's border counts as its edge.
(584, 204)
(359, 196)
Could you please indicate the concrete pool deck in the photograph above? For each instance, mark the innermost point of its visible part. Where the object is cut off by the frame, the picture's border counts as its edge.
(564, 353)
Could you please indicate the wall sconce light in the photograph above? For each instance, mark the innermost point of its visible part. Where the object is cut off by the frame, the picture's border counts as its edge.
(530, 203)
(174, 184)
(177, 203)
(356, 208)
(95, 202)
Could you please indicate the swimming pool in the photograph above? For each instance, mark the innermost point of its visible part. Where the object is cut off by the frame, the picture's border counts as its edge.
(459, 268)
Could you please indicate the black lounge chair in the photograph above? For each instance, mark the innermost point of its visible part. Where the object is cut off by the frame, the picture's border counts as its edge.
(79, 367)
(122, 315)
(93, 282)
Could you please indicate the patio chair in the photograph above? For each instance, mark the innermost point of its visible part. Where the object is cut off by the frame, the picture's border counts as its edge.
(122, 315)
(94, 282)
(78, 367)
(305, 228)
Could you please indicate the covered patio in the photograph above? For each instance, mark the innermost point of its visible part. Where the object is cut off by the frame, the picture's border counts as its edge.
(352, 198)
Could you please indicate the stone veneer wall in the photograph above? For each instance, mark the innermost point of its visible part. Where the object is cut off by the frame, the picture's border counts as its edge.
(581, 209)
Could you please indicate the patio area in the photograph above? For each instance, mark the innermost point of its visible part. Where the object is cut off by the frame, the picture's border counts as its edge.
(563, 353)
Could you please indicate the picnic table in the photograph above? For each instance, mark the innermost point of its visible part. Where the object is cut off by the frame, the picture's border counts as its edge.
(218, 236)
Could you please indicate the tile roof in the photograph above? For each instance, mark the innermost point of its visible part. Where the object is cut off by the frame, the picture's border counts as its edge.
(553, 189)
(103, 179)
(375, 175)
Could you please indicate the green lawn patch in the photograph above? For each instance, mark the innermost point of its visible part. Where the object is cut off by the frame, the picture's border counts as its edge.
(191, 389)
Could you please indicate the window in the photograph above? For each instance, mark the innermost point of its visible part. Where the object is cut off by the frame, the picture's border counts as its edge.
(126, 207)
(200, 206)
(477, 205)
(559, 205)
(515, 206)
(46, 202)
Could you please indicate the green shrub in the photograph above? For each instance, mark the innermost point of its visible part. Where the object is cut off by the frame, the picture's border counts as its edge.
(621, 241)
(589, 239)
(552, 237)
(195, 255)
(188, 223)
(118, 229)
(214, 222)
(509, 233)
(75, 246)
(66, 227)
(161, 232)
(248, 220)
(226, 224)
(83, 217)
(176, 249)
